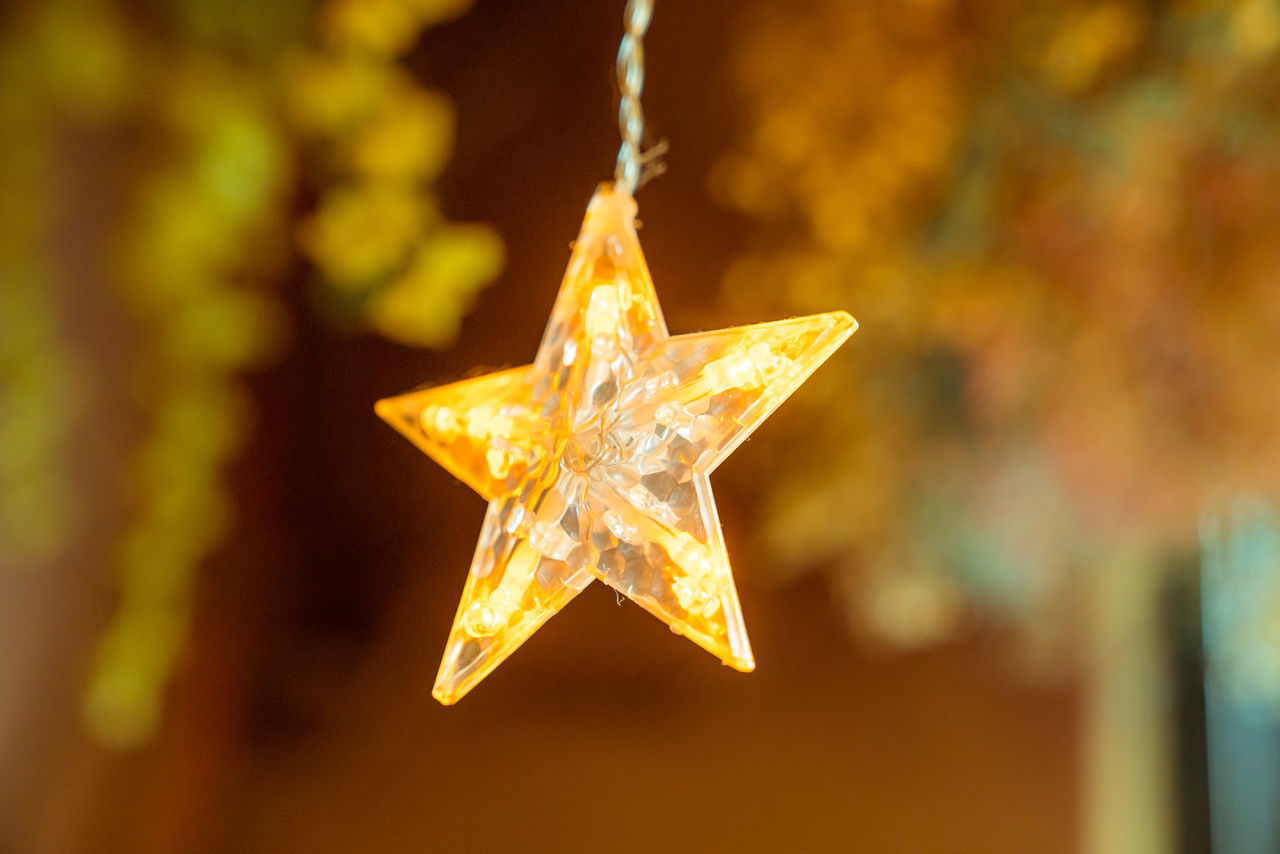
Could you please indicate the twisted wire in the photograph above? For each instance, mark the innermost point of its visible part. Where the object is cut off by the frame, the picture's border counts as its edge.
(630, 171)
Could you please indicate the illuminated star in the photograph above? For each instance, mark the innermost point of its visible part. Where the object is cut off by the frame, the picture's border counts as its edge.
(595, 459)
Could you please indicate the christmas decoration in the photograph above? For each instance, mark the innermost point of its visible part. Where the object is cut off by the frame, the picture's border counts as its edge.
(595, 459)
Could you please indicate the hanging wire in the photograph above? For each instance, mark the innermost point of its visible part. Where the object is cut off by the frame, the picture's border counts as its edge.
(634, 168)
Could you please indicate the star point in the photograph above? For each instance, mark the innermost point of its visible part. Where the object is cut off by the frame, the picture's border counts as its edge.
(595, 459)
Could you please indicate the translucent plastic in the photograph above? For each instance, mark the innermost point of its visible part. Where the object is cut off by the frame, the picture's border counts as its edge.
(595, 458)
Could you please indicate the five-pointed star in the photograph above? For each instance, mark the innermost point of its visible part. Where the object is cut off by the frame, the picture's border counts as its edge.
(595, 459)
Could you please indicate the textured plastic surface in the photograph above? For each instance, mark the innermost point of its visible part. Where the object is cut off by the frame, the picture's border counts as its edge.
(595, 458)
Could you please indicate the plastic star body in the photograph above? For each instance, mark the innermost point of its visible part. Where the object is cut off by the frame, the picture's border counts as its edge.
(595, 459)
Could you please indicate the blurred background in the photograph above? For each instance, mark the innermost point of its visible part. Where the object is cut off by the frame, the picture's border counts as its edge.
(1010, 561)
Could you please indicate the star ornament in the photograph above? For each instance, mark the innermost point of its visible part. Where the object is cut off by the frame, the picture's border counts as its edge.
(595, 459)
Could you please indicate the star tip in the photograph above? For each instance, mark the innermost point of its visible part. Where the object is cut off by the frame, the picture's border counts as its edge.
(742, 665)
(611, 188)
(613, 205)
(846, 320)
(385, 409)
(443, 697)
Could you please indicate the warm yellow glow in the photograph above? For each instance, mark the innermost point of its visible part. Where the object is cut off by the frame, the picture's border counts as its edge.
(595, 459)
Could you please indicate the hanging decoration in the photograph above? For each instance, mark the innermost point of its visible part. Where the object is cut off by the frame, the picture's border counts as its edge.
(595, 459)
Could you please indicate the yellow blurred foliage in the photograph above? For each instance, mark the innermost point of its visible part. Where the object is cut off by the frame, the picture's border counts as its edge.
(417, 307)
(376, 232)
(83, 54)
(40, 376)
(361, 233)
(411, 138)
(329, 95)
(197, 229)
(1057, 224)
(382, 27)
(1255, 28)
(1090, 39)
